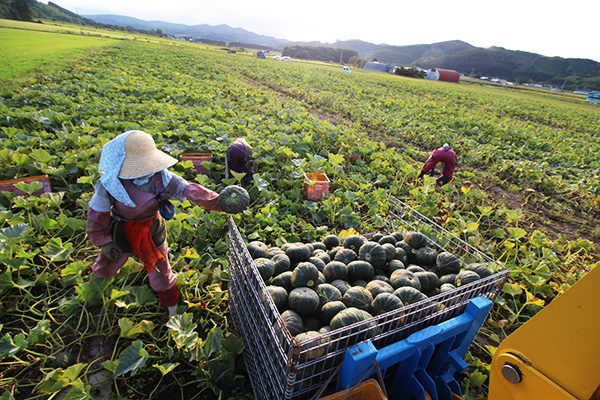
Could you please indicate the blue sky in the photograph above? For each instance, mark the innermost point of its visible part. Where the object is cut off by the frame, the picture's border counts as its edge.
(564, 29)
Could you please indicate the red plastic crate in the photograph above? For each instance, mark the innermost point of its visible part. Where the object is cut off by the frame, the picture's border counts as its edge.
(320, 187)
(197, 159)
(9, 185)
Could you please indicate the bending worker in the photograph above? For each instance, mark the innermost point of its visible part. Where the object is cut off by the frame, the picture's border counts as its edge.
(127, 212)
(239, 158)
(447, 157)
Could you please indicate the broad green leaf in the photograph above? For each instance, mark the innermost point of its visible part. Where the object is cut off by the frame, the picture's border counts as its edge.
(143, 295)
(40, 332)
(79, 391)
(110, 365)
(7, 396)
(164, 368)
(212, 343)
(512, 289)
(476, 379)
(41, 155)
(472, 226)
(57, 251)
(129, 330)
(115, 294)
(182, 323)
(29, 188)
(233, 344)
(49, 224)
(73, 268)
(10, 346)
(516, 233)
(6, 279)
(132, 359)
(13, 232)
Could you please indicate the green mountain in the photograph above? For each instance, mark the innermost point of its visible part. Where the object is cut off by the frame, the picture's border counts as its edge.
(515, 66)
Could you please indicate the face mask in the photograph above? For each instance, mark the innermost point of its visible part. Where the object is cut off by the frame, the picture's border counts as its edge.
(142, 180)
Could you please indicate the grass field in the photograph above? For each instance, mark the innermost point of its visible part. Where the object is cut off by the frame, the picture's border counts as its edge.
(525, 192)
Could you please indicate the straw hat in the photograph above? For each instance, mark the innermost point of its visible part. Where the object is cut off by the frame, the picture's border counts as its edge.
(142, 156)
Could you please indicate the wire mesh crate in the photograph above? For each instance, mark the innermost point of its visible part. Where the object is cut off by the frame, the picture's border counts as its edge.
(280, 368)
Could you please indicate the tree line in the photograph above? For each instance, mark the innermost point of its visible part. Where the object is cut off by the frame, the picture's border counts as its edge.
(324, 53)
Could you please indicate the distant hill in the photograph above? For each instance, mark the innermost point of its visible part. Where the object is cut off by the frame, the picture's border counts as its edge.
(516, 66)
(223, 33)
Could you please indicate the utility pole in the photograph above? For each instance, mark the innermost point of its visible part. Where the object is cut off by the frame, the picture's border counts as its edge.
(563, 85)
(79, 20)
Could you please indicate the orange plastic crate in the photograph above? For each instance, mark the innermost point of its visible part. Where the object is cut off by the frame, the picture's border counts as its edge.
(197, 159)
(367, 390)
(9, 185)
(320, 187)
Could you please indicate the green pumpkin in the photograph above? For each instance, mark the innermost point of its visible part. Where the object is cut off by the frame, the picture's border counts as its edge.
(331, 241)
(354, 242)
(388, 239)
(311, 323)
(266, 268)
(447, 263)
(360, 269)
(385, 302)
(348, 317)
(317, 262)
(403, 277)
(426, 257)
(482, 270)
(233, 199)
(359, 282)
(305, 275)
(335, 270)
(303, 300)
(279, 296)
(373, 253)
(380, 276)
(345, 255)
(330, 310)
(398, 236)
(324, 256)
(327, 293)
(394, 265)
(298, 252)
(318, 246)
(446, 287)
(409, 294)
(465, 277)
(448, 278)
(282, 263)
(358, 297)
(293, 322)
(377, 287)
(416, 239)
(415, 268)
(390, 251)
(63, 359)
(376, 237)
(428, 281)
(283, 280)
(257, 249)
(341, 285)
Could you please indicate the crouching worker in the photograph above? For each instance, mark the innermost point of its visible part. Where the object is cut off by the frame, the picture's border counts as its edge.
(127, 212)
(239, 158)
(444, 155)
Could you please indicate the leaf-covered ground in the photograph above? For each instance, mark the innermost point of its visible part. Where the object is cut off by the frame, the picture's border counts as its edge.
(59, 331)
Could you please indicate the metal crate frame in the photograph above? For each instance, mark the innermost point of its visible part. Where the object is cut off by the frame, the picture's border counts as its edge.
(280, 368)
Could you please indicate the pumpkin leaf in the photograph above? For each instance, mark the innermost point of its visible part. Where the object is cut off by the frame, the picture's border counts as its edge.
(132, 359)
(165, 368)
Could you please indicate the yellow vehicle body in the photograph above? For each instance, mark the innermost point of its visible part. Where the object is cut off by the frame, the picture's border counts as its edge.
(556, 354)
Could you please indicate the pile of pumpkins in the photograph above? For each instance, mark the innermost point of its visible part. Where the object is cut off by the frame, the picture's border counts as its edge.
(323, 286)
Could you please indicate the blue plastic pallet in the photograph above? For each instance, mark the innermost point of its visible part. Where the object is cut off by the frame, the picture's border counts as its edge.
(427, 360)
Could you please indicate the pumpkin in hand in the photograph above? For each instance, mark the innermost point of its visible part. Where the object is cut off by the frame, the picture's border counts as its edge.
(233, 199)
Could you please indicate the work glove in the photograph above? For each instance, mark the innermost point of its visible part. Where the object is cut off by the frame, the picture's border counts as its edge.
(111, 250)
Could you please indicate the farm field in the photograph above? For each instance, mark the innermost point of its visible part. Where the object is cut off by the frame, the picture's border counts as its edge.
(526, 192)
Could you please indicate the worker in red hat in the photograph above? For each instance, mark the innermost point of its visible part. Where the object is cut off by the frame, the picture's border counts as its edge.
(127, 212)
(444, 155)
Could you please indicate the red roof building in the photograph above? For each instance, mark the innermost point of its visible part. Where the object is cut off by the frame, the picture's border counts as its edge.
(439, 74)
